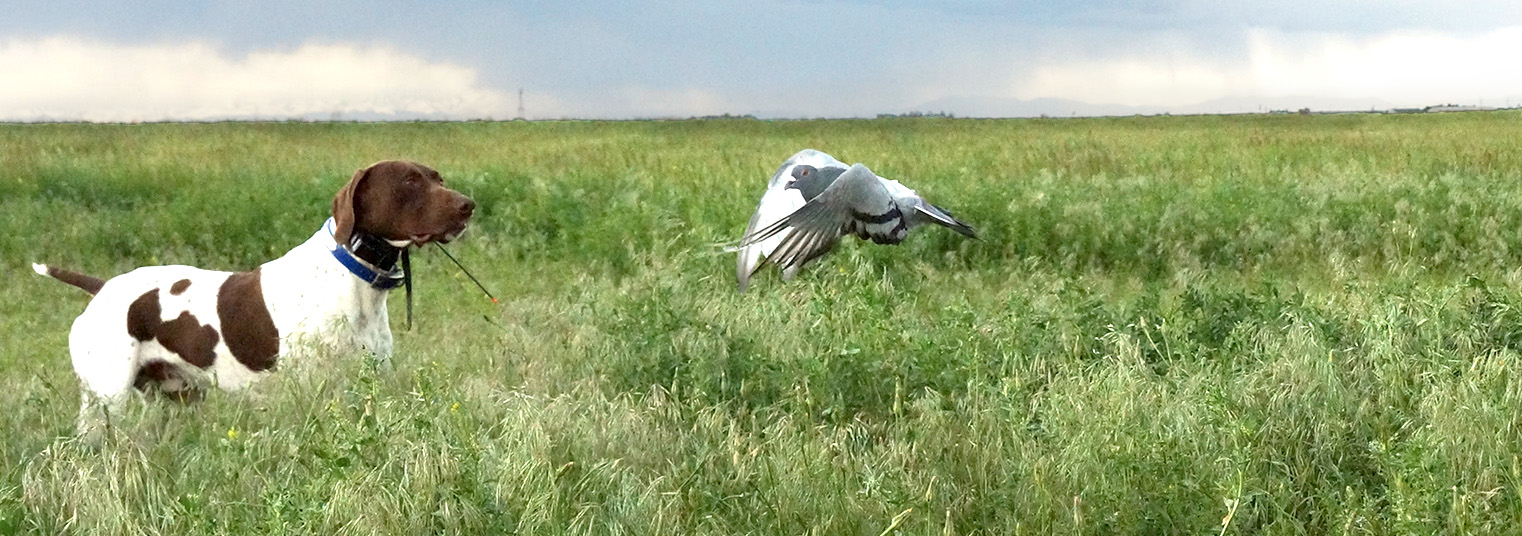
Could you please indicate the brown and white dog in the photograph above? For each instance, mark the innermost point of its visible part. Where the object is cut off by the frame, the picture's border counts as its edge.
(177, 327)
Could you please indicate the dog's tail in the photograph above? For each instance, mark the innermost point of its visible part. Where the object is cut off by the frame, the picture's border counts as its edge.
(86, 283)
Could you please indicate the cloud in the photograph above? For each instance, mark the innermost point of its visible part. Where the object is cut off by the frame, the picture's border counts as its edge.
(1406, 68)
(62, 78)
(1398, 66)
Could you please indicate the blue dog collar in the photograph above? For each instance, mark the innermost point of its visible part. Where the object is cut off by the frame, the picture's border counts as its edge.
(375, 278)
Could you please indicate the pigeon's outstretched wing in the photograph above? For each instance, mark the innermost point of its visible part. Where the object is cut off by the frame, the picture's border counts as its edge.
(856, 203)
(778, 202)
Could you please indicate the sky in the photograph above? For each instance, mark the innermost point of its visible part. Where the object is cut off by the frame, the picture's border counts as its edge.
(174, 60)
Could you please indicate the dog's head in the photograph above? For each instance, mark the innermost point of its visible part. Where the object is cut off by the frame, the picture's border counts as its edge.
(403, 202)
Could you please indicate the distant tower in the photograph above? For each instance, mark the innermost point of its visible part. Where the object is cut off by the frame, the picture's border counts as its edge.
(520, 103)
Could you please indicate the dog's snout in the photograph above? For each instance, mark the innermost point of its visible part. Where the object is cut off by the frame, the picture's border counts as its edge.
(467, 207)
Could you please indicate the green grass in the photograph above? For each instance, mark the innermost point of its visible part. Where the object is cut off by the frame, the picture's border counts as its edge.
(1267, 325)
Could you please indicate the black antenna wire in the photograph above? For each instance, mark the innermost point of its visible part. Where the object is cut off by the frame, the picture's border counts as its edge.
(462, 269)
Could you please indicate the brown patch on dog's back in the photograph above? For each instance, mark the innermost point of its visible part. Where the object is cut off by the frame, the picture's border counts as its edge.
(179, 287)
(195, 342)
(143, 316)
(246, 324)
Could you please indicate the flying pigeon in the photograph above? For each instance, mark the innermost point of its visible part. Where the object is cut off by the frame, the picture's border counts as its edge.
(814, 199)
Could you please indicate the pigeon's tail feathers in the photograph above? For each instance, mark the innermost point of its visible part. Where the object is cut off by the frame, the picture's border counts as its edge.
(943, 217)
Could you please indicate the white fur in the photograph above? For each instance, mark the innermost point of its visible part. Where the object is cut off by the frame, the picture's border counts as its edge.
(315, 303)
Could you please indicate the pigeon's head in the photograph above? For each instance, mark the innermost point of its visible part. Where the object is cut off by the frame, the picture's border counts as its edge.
(811, 181)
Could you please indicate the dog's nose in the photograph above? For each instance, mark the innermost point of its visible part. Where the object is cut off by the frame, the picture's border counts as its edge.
(467, 207)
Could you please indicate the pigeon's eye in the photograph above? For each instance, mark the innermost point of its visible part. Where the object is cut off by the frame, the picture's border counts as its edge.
(804, 172)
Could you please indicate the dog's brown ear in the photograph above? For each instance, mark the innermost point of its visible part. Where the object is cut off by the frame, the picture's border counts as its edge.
(343, 207)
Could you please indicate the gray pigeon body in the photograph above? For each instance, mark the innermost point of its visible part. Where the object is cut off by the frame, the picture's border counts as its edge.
(814, 199)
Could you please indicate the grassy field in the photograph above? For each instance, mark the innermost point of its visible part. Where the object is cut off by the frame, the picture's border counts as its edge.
(1192, 325)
